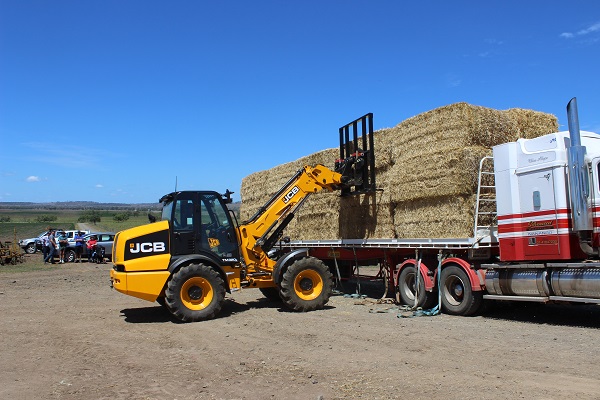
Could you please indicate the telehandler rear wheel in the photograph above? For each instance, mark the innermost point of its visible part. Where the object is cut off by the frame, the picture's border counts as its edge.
(196, 292)
(306, 285)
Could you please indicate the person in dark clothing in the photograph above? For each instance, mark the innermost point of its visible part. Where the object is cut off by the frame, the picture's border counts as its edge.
(78, 246)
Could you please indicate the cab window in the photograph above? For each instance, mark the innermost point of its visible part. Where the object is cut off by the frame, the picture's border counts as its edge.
(183, 215)
(216, 228)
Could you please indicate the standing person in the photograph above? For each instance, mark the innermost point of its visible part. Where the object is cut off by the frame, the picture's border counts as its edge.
(91, 246)
(63, 242)
(52, 244)
(46, 246)
(78, 246)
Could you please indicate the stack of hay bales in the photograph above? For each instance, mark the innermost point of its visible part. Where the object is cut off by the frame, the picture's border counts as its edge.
(426, 166)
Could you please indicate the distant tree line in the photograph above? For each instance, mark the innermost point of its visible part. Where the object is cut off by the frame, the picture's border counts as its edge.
(78, 205)
(92, 216)
(124, 216)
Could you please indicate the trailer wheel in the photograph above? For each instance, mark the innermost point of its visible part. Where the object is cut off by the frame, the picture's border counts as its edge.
(458, 297)
(406, 288)
(196, 292)
(271, 293)
(306, 285)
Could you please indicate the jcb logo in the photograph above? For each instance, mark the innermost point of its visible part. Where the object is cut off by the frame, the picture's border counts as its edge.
(290, 194)
(156, 247)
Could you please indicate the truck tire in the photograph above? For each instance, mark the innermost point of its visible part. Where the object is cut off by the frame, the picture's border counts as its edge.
(271, 293)
(406, 288)
(195, 293)
(31, 248)
(458, 297)
(306, 285)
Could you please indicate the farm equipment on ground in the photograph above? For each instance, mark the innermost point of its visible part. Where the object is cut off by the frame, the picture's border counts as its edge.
(11, 252)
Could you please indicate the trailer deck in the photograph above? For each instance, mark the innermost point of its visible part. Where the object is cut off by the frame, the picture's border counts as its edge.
(434, 244)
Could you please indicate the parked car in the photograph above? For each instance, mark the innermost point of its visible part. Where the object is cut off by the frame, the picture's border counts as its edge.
(31, 245)
(105, 243)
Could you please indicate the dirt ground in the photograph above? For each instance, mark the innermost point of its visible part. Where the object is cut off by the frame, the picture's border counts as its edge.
(66, 335)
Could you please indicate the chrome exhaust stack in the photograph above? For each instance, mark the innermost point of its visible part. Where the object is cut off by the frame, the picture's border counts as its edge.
(579, 183)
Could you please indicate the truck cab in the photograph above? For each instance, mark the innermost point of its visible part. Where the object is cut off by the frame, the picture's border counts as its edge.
(533, 197)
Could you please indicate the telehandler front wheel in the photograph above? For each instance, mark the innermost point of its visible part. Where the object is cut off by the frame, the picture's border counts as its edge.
(306, 285)
(195, 293)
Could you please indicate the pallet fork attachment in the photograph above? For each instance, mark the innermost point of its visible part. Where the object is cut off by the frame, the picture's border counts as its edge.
(357, 157)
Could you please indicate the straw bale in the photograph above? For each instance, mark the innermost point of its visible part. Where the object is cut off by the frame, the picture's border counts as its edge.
(426, 166)
(436, 173)
(445, 128)
(437, 217)
(259, 187)
(326, 215)
(531, 124)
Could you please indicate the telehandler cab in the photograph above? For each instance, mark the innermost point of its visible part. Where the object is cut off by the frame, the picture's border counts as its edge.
(189, 259)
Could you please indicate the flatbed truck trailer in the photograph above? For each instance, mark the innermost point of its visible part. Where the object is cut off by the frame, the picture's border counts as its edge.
(540, 245)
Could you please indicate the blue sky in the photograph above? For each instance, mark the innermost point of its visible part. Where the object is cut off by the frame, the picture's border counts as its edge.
(112, 101)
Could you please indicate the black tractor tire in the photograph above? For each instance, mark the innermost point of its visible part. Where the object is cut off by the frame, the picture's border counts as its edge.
(31, 248)
(458, 297)
(406, 289)
(306, 285)
(70, 255)
(162, 301)
(271, 293)
(195, 292)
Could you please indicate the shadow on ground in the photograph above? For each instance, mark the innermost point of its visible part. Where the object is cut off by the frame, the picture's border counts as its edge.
(576, 315)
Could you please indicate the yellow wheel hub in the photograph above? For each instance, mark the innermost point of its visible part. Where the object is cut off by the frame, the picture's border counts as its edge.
(308, 284)
(196, 293)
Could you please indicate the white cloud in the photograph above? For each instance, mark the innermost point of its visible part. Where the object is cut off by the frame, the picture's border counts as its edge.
(494, 42)
(33, 178)
(452, 80)
(591, 29)
(99, 185)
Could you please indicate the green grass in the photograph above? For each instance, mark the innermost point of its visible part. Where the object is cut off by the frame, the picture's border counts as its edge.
(28, 230)
(25, 224)
(109, 224)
